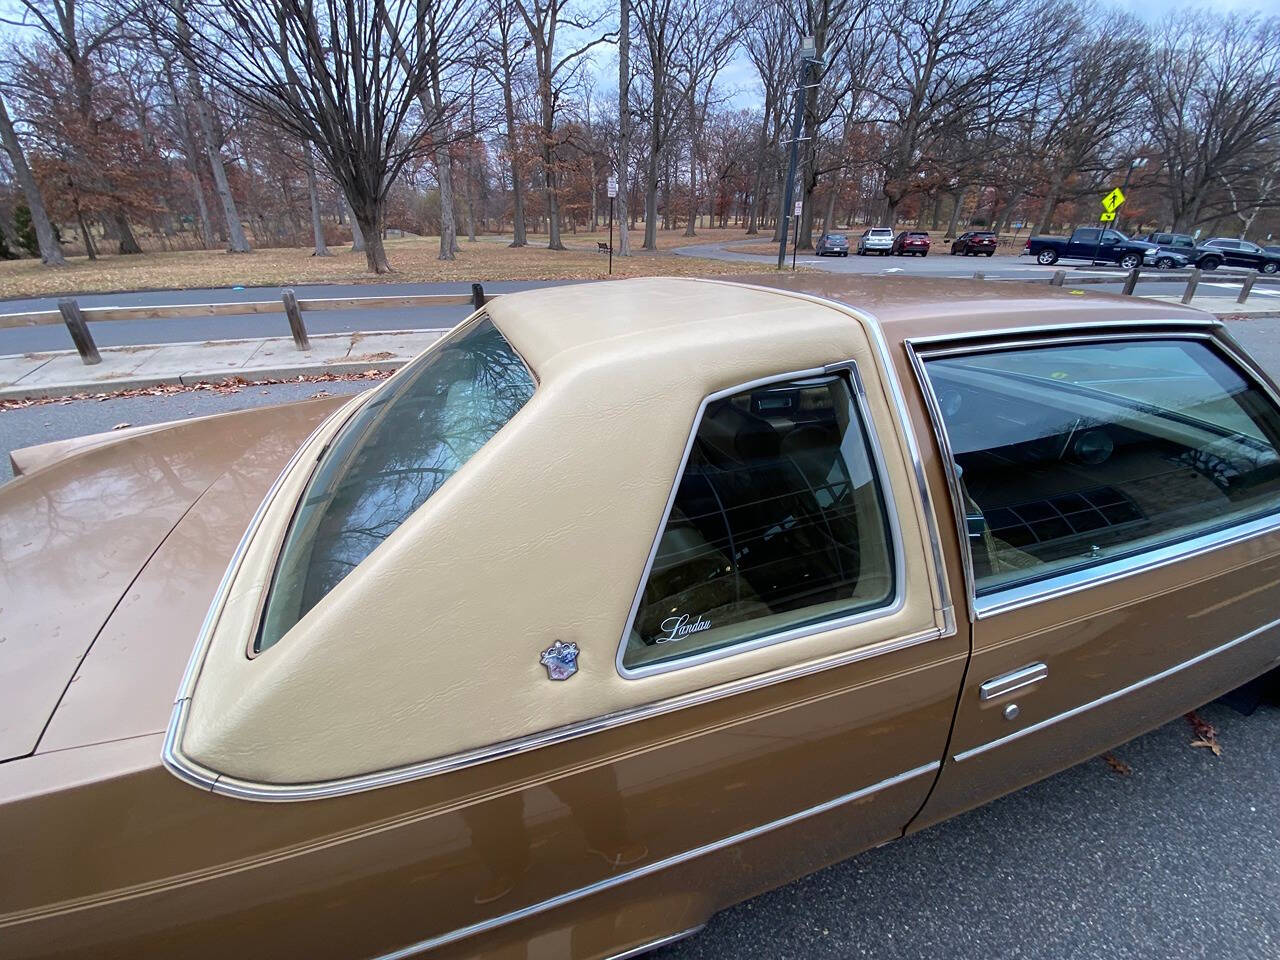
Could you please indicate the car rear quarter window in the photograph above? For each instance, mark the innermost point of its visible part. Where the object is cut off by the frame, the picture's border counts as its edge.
(778, 522)
(388, 459)
(1070, 456)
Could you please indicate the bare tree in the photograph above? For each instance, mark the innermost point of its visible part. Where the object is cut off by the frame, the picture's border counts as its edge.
(660, 23)
(346, 77)
(317, 224)
(507, 48)
(705, 50)
(50, 251)
(78, 29)
(770, 39)
(1212, 92)
(620, 163)
(544, 19)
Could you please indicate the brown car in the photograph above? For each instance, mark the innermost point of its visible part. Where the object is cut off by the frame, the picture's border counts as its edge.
(623, 603)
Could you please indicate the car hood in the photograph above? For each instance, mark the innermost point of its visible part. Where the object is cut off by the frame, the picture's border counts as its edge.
(111, 548)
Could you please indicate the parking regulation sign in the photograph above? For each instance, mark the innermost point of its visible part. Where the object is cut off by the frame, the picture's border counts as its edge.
(612, 186)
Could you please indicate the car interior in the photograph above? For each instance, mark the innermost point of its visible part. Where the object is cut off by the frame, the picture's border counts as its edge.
(1058, 474)
(778, 520)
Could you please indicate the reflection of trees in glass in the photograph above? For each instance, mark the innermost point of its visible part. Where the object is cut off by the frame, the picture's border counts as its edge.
(392, 455)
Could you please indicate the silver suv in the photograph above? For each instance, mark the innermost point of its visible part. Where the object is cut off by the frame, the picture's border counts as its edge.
(875, 240)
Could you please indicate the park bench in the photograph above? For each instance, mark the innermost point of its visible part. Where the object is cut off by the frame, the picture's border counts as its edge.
(602, 247)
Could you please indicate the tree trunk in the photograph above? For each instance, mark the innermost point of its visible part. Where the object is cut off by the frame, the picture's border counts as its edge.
(50, 252)
(236, 240)
(955, 211)
(624, 124)
(366, 223)
(128, 242)
(357, 235)
(317, 225)
(448, 226)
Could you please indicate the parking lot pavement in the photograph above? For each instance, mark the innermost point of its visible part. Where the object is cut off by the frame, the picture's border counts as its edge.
(1180, 859)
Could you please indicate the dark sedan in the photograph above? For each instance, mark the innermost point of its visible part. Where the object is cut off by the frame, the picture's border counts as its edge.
(974, 242)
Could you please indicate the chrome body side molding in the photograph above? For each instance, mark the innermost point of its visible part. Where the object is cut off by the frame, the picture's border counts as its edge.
(1116, 694)
(656, 866)
(199, 776)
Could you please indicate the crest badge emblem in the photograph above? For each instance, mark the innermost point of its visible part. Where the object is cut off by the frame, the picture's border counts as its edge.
(561, 660)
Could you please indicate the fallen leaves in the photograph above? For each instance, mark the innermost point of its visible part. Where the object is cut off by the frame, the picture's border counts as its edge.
(1117, 765)
(414, 259)
(228, 386)
(1206, 736)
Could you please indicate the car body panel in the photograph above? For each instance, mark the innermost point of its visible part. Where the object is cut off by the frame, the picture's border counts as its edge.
(75, 535)
(632, 832)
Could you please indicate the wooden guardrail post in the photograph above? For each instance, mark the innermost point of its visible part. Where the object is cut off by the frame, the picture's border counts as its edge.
(80, 334)
(1058, 279)
(478, 299)
(1246, 288)
(979, 275)
(296, 327)
(1193, 281)
(1131, 281)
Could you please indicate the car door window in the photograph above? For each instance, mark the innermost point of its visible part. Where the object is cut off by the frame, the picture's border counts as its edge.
(778, 523)
(1086, 235)
(1074, 455)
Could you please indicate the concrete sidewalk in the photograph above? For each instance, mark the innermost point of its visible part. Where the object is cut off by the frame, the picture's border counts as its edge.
(62, 373)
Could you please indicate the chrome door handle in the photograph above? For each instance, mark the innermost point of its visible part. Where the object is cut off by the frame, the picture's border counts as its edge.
(1015, 680)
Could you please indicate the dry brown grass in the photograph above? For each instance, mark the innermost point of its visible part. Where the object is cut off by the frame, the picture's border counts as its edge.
(413, 260)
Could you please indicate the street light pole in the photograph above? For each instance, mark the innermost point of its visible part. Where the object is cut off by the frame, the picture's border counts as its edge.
(808, 55)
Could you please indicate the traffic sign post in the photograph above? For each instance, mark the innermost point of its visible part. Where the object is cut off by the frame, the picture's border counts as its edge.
(1110, 204)
(796, 233)
(612, 187)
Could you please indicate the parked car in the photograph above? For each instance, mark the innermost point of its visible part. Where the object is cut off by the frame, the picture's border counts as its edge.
(1183, 244)
(875, 240)
(836, 244)
(1088, 243)
(1242, 253)
(914, 242)
(1272, 250)
(587, 623)
(974, 242)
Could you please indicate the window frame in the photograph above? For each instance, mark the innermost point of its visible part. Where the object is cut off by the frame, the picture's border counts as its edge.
(848, 370)
(1209, 332)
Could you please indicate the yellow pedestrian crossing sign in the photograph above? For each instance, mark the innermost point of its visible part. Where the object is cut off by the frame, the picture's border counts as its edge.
(1108, 216)
(1111, 202)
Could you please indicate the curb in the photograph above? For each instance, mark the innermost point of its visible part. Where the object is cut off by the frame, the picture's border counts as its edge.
(188, 379)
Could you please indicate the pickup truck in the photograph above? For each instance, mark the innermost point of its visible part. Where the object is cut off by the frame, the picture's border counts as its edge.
(1083, 244)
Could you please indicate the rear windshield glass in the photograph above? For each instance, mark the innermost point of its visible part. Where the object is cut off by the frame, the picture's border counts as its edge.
(882, 233)
(395, 452)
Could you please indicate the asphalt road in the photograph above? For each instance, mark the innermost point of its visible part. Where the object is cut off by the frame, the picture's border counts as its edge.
(1179, 859)
(940, 263)
(114, 333)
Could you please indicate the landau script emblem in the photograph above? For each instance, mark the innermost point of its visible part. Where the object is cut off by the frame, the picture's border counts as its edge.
(677, 628)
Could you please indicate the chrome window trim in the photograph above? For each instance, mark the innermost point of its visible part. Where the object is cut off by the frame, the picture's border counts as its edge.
(869, 323)
(858, 395)
(1115, 694)
(572, 896)
(1208, 331)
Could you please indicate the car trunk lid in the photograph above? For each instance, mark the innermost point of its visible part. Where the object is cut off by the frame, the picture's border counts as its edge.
(89, 538)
